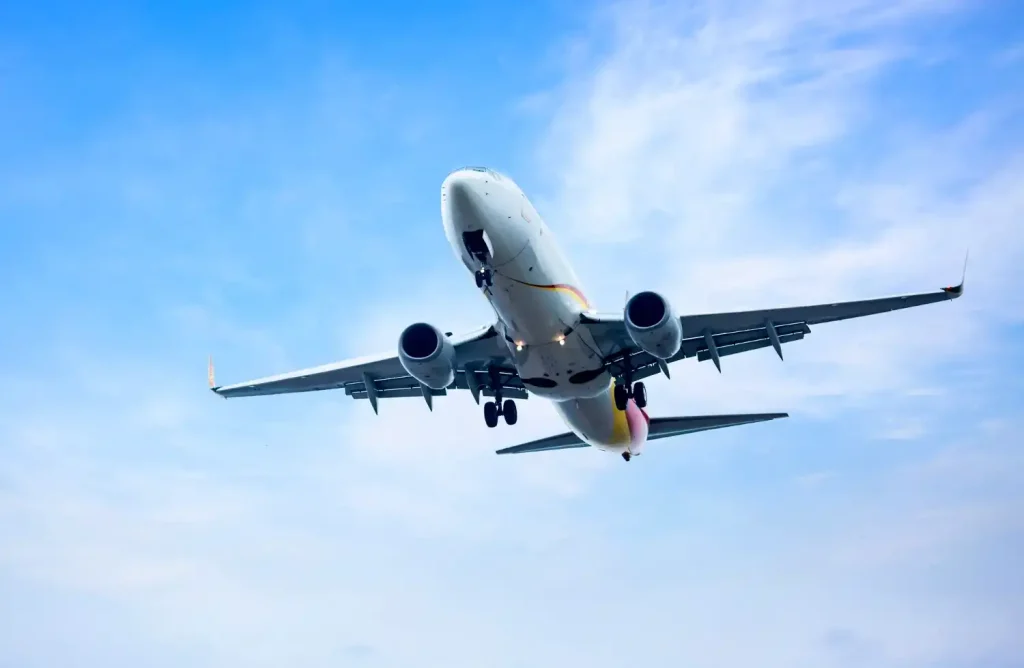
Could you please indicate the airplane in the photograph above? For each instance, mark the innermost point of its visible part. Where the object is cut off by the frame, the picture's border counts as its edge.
(547, 340)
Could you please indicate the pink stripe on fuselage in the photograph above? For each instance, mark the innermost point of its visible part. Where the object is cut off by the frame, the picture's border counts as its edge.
(638, 422)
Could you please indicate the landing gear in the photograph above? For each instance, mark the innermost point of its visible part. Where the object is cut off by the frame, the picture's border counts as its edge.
(483, 277)
(623, 393)
(498, 408)
(627, 456)
(627, 389)
(640, 395)
(491, 414)
(495, 409)
(510, 412)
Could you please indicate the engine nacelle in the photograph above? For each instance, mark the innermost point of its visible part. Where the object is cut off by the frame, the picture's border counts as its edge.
(427, 355)
(653, 325)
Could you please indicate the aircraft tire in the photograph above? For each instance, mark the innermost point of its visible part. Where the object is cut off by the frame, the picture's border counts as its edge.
(491, 414)
(621, 397)
(640, 395)
(510, 412)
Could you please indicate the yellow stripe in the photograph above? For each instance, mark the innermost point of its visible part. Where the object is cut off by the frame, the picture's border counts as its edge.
(575, 294)
(620, 426)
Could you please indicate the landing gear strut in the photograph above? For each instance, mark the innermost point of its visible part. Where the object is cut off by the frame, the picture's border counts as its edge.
(498, 408)
(627, 390)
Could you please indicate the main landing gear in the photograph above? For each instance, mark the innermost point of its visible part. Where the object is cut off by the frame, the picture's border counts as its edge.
(627, 456)
(626, 389)
(623, 393)
(495, 409)
(498, 408)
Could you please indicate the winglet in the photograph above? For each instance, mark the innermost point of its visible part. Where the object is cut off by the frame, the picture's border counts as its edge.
(210, 377)
(957, 290)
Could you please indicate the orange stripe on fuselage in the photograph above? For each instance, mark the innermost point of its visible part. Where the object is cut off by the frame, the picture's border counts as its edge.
(561, 287)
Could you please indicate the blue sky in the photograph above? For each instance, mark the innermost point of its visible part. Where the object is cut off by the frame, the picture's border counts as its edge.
(262, 183)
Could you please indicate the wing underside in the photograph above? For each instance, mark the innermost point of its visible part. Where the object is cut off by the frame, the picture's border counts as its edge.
(482, 365)
(712, 336)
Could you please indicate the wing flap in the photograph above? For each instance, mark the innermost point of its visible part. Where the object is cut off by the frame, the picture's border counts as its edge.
(704, 355)
(397, 393)
(405, 386)
(645, 365)
(358, 391)
(693, 345)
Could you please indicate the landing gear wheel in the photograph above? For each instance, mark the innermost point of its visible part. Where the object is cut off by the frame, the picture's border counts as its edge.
(640, 395)
(483, 277)
(621, 395)
(510, 412)
(491, 414)
(626, 456)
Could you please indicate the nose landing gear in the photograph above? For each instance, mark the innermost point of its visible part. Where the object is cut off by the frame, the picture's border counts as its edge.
(484, 277)
(479, 247)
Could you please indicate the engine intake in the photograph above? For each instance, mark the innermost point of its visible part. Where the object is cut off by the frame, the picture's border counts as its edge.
(653, 325)
(427, 355)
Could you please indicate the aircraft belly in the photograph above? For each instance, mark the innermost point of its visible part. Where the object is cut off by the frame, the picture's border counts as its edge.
(597, 421)
(549, 370)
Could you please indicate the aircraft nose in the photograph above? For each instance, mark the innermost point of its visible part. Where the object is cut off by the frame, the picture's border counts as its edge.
(465, 200)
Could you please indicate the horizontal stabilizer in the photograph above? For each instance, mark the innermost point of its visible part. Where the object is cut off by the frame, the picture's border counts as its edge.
(560, 442)
(677, 426)
(659, 428)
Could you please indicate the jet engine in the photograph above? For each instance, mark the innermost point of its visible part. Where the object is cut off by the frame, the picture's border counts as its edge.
(653, 325)
(427, 355)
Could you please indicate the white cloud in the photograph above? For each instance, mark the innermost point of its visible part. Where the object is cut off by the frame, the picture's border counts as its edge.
(746, 142)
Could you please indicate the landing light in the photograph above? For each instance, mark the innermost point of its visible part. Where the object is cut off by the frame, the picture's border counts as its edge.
(561, 339)
(519, 345)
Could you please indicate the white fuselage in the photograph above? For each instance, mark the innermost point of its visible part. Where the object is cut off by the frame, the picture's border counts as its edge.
(538, 302)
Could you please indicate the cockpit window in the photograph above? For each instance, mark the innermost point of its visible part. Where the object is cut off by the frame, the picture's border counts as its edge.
(485, 170)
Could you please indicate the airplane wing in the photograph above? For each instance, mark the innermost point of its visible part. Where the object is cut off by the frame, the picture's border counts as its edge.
(658, 428)
(712, 336)
(383, 376)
